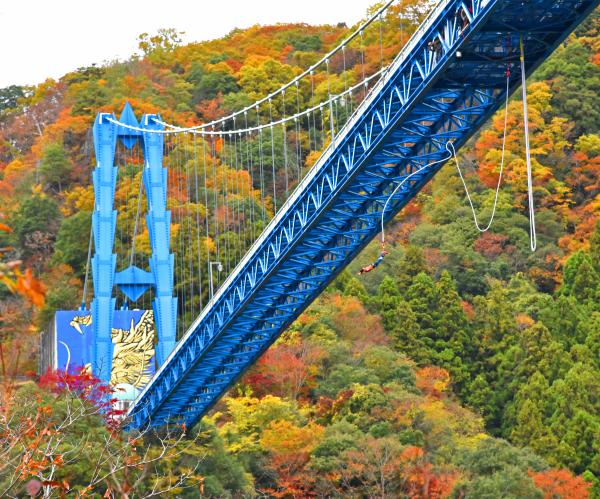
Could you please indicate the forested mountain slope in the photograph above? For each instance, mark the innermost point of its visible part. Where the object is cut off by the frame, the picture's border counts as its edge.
(464, 366)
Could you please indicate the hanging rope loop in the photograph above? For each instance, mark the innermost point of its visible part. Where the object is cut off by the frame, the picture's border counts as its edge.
(400, 184)
(450, 148)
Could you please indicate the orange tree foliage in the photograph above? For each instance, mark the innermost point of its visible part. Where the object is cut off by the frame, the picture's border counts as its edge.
(287, 369)
(561, 484)
(290, 447)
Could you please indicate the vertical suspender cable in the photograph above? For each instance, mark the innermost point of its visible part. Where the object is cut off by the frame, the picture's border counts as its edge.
(87, 268)
(189, 247)
(285, 158)
(273, 157)
(200, 301)
(136, 223)
(331, 122)
(298, 139)
(261, 168)
(250, 161)
(206, 209)
(312, 103)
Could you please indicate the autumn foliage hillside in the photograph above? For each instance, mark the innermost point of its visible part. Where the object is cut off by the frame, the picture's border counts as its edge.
(466, 365)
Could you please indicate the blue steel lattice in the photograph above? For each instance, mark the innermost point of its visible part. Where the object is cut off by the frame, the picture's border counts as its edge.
(427, 98)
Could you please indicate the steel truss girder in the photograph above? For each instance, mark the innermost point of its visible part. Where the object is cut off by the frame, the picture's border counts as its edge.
(335, 212)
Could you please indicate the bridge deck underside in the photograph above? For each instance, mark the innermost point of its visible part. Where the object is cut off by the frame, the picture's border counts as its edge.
(429, 99)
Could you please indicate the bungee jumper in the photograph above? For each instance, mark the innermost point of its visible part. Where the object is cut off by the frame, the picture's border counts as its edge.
(372, 266)
(434, 46)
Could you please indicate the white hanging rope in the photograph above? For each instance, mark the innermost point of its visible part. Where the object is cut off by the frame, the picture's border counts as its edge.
(452, 151)
(532, 233)
(450, 148)
(402, 182)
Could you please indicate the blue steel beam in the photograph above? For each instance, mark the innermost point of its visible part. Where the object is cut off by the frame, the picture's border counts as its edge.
(425, 99)
(158, 221)
(104, 223)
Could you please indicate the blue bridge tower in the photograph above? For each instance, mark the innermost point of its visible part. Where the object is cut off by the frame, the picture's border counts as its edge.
(132, 281)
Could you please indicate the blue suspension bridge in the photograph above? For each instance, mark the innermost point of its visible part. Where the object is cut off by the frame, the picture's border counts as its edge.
(378, 142)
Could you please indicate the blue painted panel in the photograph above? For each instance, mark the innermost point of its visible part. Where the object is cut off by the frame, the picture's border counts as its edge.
(74, 340)
(133, 360)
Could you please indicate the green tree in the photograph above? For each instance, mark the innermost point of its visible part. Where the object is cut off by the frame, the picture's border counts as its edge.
(217, 472)
(496, 469)
(71, 245)
(411, 265)
(595, 247)
(570, 271)
(208, 84)
(423, 299)
(585, 284)
(34, 224)
(55, 166)
(9, 98)
(63, 293)
(531, 430)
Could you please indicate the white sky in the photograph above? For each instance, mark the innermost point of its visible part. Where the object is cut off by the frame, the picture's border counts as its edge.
(48, 38)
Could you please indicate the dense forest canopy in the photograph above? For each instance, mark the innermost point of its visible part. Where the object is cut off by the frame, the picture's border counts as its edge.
(464, 366)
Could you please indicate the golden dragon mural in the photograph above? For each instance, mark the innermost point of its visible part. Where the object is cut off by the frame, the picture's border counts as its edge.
(133, 349)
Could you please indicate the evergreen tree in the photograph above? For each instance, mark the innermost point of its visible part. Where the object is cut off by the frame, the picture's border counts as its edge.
(35, 223)
(353, 287)
(400, 321)
(592, 340)
(495, 325)
(570, 271)
(411, 265)
(595, 247)
(480, 396)
(585, 284)
(454, 340)
(423, 300)
(55, 167)
(563, 316)
(72, 241)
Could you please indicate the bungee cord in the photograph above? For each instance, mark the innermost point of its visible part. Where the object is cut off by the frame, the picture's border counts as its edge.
(452, 154)
(450, 148)
(400, 184)
(532, 233)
